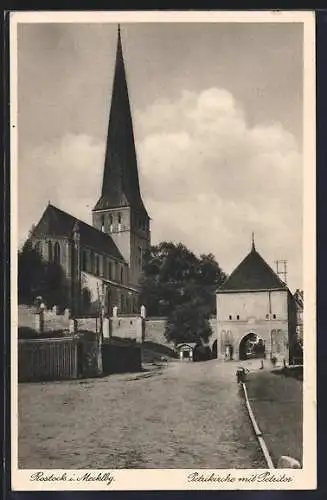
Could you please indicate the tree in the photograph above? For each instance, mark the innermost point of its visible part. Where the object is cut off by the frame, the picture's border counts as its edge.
(187, 323)
(37, 277)
(31, 274)
(173, 276)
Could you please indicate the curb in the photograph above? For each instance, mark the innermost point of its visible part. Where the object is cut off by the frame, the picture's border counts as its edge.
(257, 430)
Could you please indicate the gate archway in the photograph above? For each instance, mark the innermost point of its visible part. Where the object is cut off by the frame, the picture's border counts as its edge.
(251, 346)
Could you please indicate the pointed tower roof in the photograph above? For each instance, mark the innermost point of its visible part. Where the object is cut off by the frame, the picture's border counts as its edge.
(120, 186)
(253, 273)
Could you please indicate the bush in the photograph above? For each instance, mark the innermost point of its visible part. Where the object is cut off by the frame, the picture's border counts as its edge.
(188, 323)
(27, 333)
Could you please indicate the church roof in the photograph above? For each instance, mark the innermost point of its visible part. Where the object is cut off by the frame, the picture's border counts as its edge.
(253, 273)
(57, 223)
(120, 185)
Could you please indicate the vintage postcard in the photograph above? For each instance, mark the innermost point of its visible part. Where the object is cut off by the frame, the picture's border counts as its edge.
(163, 250)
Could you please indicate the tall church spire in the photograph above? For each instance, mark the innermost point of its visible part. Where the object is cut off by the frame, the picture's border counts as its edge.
(253, 244)
(120, 186)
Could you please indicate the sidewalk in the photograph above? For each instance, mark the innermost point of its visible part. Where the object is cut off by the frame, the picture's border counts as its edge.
(277, 401)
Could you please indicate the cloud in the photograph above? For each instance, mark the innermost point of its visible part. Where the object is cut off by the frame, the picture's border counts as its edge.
(67, 172)
(208, 179)
(211, 179)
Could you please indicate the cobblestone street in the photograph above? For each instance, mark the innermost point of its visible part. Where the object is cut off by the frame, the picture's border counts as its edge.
(186, 415)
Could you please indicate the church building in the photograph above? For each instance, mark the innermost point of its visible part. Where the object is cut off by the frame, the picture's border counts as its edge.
(104, 260)
(256, 313)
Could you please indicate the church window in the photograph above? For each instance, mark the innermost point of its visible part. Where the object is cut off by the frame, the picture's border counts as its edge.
(97, 265)
(230, 316)
(274, 316)
(57, 253)
(84, 260)
(237, 317)
(50, 255)
(140, 257)
(92, 262)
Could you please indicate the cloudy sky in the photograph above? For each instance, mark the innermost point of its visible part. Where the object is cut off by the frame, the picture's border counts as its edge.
(217, 111)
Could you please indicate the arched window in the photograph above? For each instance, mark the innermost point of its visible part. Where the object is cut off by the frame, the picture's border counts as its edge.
(280, 341)
(50, 254)
(37, 247)
(57, 253)
(84, 260)
(273, 341)
(92, 262)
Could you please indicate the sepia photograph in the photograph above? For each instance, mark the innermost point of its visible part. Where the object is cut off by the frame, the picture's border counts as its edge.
(163, 242)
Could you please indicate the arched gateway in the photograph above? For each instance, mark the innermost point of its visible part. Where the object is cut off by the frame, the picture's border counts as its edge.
(256, 313)
(252, 346)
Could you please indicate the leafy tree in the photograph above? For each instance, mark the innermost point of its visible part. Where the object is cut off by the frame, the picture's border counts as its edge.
(56, 286)
(173, 276)
(39, 278)
(31, 274)
(187, 323)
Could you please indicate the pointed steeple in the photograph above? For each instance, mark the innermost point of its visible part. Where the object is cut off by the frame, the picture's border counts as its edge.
(253, 245)
(120, 186)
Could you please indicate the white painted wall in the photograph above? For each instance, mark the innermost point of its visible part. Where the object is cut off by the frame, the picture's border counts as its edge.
(258, 312)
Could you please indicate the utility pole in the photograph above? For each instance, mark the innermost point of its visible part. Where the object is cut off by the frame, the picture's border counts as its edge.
(281, 269)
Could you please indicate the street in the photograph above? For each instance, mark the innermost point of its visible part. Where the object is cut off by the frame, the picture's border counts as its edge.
(184, 415)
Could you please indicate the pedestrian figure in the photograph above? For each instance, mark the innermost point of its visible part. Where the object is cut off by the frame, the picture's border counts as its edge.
(163, 359)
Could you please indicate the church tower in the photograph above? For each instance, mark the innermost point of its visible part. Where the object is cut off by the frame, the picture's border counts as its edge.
(120, 211)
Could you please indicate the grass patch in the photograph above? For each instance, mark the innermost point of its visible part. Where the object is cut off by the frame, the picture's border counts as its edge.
(151, 352)
(277, 403)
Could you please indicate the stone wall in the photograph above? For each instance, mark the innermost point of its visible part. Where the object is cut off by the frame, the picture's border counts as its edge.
(29, 317)
(132, 327)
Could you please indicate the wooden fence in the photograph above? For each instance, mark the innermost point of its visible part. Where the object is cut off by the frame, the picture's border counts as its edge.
(47, 359)
(71, 358)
